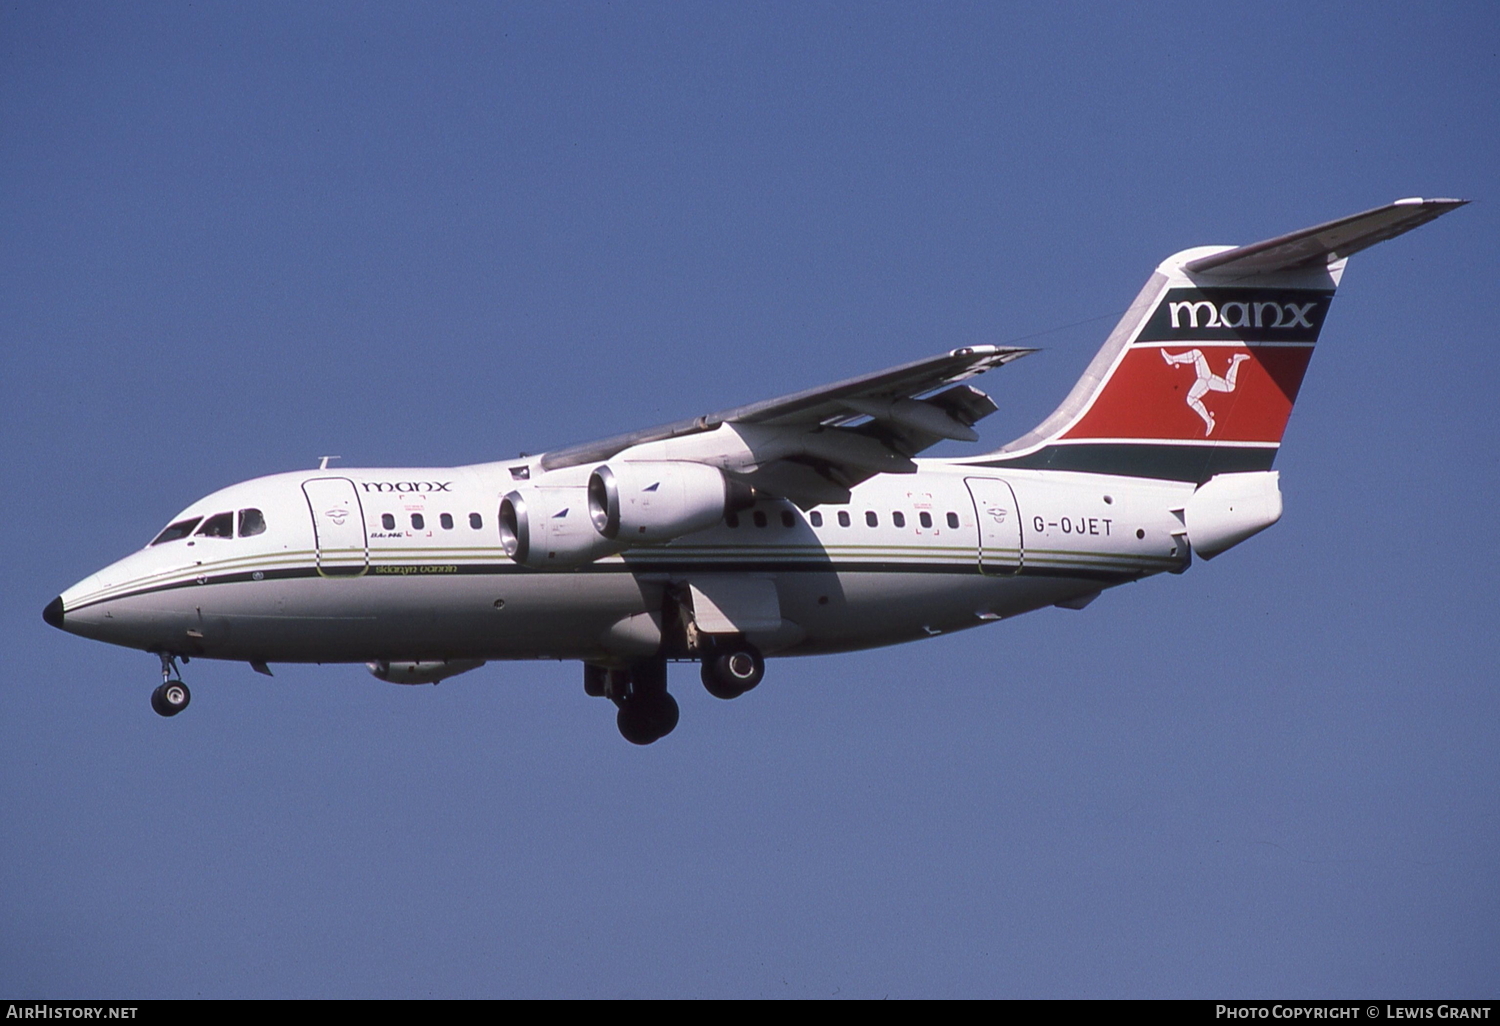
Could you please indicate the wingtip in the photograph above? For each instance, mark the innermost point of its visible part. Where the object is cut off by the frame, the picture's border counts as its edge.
(1420, 201)
(1008, 352)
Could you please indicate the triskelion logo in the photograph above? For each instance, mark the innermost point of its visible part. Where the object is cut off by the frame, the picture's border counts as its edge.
(1207, 380)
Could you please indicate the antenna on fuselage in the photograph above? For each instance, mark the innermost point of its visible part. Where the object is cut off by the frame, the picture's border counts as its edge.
(323, 461)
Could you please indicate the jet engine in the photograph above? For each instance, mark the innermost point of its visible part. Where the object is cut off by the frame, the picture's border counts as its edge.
(548, 528)
(650, 503)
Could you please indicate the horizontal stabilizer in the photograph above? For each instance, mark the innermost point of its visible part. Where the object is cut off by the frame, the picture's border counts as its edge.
(1323, 244)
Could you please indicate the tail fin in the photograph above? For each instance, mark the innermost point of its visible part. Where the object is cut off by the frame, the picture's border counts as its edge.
(1200, 375)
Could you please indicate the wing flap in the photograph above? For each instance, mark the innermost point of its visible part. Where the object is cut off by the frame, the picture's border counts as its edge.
(796, 481)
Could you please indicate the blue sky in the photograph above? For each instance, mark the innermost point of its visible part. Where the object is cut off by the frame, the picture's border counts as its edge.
(238, 238)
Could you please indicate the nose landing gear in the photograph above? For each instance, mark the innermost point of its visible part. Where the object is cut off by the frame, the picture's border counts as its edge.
(173, 695)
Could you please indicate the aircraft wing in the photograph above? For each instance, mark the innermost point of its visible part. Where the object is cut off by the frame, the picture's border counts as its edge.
(812, 446)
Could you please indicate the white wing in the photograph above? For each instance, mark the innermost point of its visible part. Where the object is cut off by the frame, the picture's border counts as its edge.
(813, 446)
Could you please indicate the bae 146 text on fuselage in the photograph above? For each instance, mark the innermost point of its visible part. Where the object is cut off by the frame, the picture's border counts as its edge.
(798, 525)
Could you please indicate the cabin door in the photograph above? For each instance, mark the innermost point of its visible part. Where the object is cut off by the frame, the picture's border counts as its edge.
(999, 516)
(338, 527)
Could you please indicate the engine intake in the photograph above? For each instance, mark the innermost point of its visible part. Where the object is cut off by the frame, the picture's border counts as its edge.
(548, 528)
(652, 503)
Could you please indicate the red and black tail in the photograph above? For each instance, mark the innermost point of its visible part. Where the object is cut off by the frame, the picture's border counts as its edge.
(1200, 375)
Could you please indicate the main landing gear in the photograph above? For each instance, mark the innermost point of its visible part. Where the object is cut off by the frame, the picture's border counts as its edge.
(732, 669)
(647, 712)
(173, 696)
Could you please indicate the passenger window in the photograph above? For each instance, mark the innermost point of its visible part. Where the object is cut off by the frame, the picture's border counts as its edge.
(417, 522)
(843, 518)
(953, 520)
(181, 529)
(898, 518)
(816, 518)
(760, 518)
(925, 518)
(732, 520)
(252, 522)
(388, 521)
(447, 521)
(220, 525)
(476, 521)
(871, 520)
(787, 520)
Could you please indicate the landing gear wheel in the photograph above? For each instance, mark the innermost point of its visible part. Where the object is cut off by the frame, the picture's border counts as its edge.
(171, 698)
(645, 719)
(732, 672)
(716, 687)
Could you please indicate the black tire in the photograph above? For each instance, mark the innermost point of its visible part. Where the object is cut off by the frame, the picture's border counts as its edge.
(171, 698)
(644, 721)
(714, 686)
(633, 726)
(734, 670)
(665, 714)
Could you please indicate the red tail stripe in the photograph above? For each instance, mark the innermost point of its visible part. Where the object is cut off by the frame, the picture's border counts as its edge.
(1148, 397)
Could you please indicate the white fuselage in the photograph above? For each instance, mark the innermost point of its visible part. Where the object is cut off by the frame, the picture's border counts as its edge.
(412, 568)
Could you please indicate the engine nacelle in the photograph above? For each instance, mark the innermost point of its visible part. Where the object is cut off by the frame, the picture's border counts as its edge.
(421, 671)
(548, 528)
(651, 503)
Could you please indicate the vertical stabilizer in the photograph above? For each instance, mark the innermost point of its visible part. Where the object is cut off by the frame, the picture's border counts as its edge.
(1200, 375)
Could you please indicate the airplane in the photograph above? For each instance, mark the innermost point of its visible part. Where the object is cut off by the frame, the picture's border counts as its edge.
(799, 525)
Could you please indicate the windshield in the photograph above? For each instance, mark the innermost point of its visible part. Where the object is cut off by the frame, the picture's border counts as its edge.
(181, 529)
(219, 526)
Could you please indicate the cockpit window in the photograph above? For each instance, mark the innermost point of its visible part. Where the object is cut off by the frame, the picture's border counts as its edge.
(251, 522)
(220, 525)
(181, 529)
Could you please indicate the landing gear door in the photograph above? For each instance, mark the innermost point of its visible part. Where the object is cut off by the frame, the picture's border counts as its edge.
(734, 605)
(999, 516)
(338, 527)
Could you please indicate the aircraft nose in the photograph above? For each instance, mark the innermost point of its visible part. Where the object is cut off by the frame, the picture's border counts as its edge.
(53, 614)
